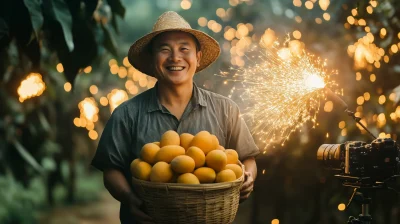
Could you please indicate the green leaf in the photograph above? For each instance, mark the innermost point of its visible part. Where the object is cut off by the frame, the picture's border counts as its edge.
(117, 7)
(109, 41)
(4, 34)
(27, 156)
(58, 10)
(114, 23)
(35, 12)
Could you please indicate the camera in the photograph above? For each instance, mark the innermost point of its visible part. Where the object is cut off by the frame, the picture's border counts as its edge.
(360, 163)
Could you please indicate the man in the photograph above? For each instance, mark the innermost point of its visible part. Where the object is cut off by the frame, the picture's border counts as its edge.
(173, 53)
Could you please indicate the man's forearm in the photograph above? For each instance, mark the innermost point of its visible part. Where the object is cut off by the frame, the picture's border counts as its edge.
(118, 186)
(250, 166)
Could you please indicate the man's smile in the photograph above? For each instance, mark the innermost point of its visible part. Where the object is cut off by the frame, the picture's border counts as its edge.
(175, 68)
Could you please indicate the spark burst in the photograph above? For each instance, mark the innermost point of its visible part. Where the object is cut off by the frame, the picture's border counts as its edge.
(282, 90)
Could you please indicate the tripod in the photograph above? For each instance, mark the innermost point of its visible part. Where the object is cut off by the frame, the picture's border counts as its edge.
(362, 186)
(360, 196)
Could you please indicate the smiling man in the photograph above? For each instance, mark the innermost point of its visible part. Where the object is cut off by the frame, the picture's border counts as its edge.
(173, 52)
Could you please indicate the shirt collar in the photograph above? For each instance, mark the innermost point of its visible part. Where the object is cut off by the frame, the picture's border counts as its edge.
(198, 98)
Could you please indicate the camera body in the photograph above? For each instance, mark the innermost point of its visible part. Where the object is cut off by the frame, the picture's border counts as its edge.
(374, 162)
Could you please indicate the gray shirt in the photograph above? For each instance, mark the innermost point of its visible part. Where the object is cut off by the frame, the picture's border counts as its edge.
(143, 119)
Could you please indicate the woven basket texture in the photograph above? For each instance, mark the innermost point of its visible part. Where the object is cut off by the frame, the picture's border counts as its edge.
(185, 203)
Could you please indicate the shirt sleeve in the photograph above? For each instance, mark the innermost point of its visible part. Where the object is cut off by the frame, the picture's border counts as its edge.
(239, 136)
(113, 150)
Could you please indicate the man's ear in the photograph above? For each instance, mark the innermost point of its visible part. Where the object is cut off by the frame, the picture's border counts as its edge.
(198, 56)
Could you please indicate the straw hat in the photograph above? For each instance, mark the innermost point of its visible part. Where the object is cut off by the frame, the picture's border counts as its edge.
(139, 53)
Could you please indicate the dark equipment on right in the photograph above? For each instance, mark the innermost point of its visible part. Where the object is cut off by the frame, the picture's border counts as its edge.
(362, 166)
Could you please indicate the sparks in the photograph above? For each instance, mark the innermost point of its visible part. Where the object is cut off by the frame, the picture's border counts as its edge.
(282, 89)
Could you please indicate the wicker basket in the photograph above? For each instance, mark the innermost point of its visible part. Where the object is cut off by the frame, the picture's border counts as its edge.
(189, 204)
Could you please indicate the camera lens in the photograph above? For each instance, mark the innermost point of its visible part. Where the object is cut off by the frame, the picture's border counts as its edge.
(329, 155)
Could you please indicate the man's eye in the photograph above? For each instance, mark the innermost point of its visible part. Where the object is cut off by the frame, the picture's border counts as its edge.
(185, 49)
(164, 49)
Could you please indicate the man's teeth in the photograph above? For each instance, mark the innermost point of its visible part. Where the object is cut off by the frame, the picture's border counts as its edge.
(175, 68)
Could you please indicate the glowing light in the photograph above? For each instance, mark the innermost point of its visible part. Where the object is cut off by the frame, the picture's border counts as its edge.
(328, 106)
(370, 10)
(275, 221)
(354, 12)
(112, 62)
(372, 77)
(88, 108)
(394, 48)
(350, 20)
(60, 68)
(297, 3)
(122, 72)
(220, 12)
(93, 134)
(268, 38)
(309, 4)
(126, 63)
(314, 81)
(318, 20)
(342, 124)
(383, 33)
(294, 86)
(386, 59)
(186, 4)
(362, 22)
(326, 16)
(360, 100)
(114, 69)
(116, 97)
(324, 4)
(202, 21)
(382, 99)
(233, 2)
(341, 207)
(367, 96)
(67, 87)
(343, 132)
(31, 86)
(93, 89)
(103, 101)
(284, 53)
(358, 76)
(365, 52)
(392, 96)
(87, 69)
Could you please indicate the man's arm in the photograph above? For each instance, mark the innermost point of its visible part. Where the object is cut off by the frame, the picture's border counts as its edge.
(251, 166)
(250, 175)
(119, 188)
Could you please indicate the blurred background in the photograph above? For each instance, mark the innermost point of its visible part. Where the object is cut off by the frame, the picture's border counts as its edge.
(63, 70)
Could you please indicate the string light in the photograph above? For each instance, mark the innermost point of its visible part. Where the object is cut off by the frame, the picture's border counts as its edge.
(31, 86)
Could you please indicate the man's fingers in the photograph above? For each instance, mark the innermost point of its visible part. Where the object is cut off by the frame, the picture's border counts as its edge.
(246, 191)
(244, 197)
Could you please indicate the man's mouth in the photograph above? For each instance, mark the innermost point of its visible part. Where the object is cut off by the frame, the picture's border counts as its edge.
(175, 68)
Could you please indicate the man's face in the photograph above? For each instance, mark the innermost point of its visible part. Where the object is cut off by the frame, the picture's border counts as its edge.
(175, 57)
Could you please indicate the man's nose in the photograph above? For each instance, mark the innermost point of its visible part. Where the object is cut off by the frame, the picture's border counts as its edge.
(175, 56)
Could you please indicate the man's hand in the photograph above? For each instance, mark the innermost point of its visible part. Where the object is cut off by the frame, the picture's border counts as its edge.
(136, 210)
(247, 186)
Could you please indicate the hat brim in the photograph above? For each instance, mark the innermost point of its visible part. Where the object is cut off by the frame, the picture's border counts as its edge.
(140, 57)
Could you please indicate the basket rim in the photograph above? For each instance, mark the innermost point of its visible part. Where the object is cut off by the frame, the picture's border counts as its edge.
(202, 187)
